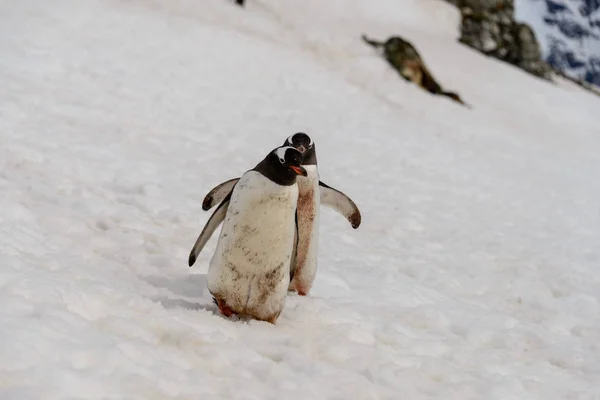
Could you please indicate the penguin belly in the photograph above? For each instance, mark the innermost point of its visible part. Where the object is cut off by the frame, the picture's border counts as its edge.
(250, 268)
(309, 203)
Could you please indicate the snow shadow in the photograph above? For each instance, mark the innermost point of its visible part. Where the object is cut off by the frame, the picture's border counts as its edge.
(188, 286)
(169, 303)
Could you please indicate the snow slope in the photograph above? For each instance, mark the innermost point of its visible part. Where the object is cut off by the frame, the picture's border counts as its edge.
(474, 274)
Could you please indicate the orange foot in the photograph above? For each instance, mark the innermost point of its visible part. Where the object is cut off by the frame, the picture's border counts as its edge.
(297, 288)
(223, 308)
(301, 290)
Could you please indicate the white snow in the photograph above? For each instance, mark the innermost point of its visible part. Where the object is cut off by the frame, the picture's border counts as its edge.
(475, 272)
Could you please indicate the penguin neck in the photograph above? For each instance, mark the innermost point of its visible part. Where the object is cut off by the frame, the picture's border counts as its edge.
(310, 157)
(311, 181)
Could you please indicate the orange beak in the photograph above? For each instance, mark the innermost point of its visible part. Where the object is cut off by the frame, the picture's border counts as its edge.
(298, 170)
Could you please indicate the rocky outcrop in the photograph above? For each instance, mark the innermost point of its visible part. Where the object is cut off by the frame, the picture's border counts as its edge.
(489, 26)
(571, 32)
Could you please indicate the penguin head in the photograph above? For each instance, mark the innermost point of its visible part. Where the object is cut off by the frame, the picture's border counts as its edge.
(282, 165)
(304, 144)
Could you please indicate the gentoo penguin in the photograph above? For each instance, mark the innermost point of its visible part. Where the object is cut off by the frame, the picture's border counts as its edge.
(305, 266)
(248, 274)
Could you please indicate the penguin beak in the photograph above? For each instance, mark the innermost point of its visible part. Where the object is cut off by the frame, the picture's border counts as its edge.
(299, 170)
(301, 149)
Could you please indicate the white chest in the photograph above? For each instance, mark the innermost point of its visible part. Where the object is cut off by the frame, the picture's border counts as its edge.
(309, 199)
(259, 222)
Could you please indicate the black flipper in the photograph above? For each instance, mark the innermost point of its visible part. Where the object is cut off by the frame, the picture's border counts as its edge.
(218, 193)
(337, 200)
(211, 225)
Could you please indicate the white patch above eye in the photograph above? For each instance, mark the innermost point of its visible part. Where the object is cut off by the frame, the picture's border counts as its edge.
(290, 141)
(280, 152)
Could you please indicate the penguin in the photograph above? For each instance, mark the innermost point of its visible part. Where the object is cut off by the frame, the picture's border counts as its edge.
(309, 204)
(248, 274)
(405, 58)
(312, 193)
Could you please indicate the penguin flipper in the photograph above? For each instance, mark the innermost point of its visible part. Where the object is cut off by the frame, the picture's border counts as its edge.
(211, 225)
(218, 193)
(341, 203)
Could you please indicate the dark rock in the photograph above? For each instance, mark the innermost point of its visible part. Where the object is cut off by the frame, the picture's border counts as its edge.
(550, 21)
(554, 7)
(573, 30)
(589, 6)
(562, 58)
(489, 26)
(593, 73)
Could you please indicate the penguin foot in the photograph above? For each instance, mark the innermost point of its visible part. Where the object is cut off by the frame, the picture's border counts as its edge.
(223, 308)
(271, 319)
(301, 290)
(294, 288)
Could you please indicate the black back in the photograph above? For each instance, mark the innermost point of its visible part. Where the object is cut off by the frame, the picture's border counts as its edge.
(277, 165)
(303, 143)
